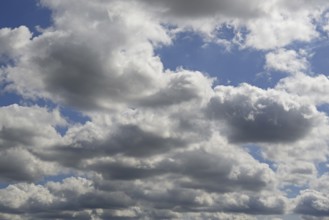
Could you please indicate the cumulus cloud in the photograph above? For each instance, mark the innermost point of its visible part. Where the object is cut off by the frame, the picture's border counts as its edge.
(280, 29)
(298, 173)
(255, 115)
(288, 61)
(89, 73)
(311, 89)
(71, 199)
(258, 24)
(160, 143)
(12, 41)
(24, 129)
(313, 203)
(23, 126)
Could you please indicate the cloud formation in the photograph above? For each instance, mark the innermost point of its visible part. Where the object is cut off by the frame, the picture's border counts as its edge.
(254, 115)
(161, 143)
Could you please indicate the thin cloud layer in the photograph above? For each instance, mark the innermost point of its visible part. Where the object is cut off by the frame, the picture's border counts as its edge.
(160, 143)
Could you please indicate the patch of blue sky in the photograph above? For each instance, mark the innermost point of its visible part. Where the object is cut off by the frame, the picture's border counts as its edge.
(292, 191)
(323, 108)
(3, 185)
(71, 115)
(320, 60)
(322, 168)
(256, 152)
(230, 67)
(55, 178)
(27, 12)
(9, 98)
(226, 32)
(318, 52)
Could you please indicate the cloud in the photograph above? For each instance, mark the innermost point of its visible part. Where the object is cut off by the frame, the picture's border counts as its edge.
(160, 143)
(280, 29)
(297, 173)
(12, 41)
(13, 166)
(128, 140)
(24, 129)
(182, 86)
(257, 24)
(23, 126)
(219, 173)
(312, 203)
(288, 61)
(193, 9)
(70, 199)
(255, 115)
(81, 64)
(313, 89)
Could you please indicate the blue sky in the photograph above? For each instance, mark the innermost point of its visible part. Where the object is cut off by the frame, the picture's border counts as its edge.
(164, 109)
(16, 13)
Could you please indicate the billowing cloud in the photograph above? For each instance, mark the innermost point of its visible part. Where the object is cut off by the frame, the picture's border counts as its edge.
(312, 89)
(24, 129)
(255, 115)
(12, 41)
(312, 203)
(162, 143)
(71, 199)
(288, 61)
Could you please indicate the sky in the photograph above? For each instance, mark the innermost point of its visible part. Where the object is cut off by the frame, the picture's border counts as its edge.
(164, 109)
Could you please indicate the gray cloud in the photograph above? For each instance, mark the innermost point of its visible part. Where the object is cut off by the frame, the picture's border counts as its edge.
(79, 76)
(70, 199)
(70, 66)
(251, 117)
(182, 86)
(195, 9)
(13, 137)
(160, 144)
(215, 172)
(312, 203)
(132, 141)
(13, 166)
(12, 41)
(125, 140)
(23, 128)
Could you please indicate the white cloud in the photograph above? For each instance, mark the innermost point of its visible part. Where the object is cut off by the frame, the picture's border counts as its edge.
(160, 143)
(23, 126)
(313, 89)
(12, 41)
(288, 61)
(268, 24)
(72, 198)
(280, 28)
(23, 130)
(297, 173)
